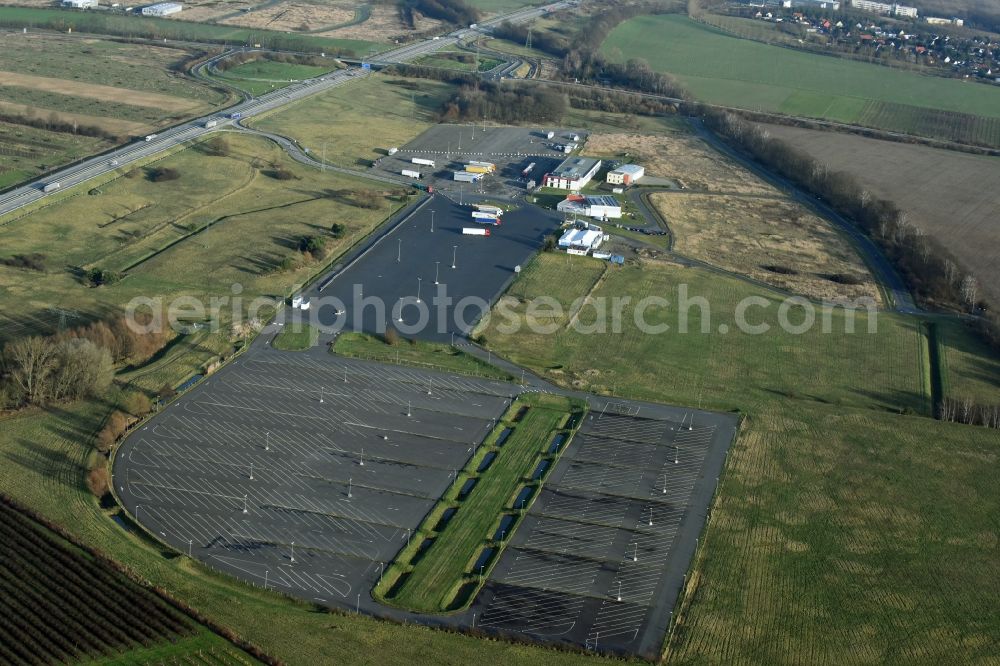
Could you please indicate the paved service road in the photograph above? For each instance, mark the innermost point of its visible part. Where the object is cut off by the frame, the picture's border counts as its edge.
(177, 135)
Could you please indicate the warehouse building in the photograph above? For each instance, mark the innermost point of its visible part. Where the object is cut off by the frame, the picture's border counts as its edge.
(626, 174)
(601, 207)
(79, 4)
(162, 9)
(573, 174)
(582, 239)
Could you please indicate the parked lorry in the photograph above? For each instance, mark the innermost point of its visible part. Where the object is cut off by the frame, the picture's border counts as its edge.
(150, 137)
(475, 231)
(235, 115)
(495, 211)
(467, 177)
(51, 187)
(420, 160)
(483, 216)
(409, 173)
(211, 123)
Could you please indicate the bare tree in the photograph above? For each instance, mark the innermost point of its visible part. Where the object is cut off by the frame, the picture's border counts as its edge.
(970, 291)
(29, 363)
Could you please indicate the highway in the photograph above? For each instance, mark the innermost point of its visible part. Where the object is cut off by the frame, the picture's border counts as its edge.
(170, 138)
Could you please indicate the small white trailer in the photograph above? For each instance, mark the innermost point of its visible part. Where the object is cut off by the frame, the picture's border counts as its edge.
(410, 173)
(421, 160)
(475, 231)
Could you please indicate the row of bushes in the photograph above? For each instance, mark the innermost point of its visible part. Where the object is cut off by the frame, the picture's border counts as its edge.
(505, 105)
(56, 123)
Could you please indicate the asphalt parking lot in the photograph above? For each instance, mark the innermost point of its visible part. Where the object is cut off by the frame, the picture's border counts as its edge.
(385, 284)
(597, 561)
(303, 470)
(512, 149)
(307, 472)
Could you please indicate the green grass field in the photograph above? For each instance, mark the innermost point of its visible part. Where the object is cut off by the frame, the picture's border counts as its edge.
(451, 60)
(46, 77)
(723, 69)
(444, 577)
(724, 371)
(225, 221)
(26, 152)
(173, 29)
(359, 122)
(839, 514)
(263, 76)
(430, 355)
(296, 338)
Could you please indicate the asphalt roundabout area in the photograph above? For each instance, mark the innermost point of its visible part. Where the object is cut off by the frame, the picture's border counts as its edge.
(306, 472)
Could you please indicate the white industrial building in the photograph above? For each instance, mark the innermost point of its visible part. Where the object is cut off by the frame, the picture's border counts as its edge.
(582, 240)
(573, 174)
(884, 8)
(79, 4)
(601, 207)
(162, 9)
(626, 174)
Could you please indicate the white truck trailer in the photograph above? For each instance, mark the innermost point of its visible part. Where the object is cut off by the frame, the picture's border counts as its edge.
(421, 160)
(410, 173)
(475, 231)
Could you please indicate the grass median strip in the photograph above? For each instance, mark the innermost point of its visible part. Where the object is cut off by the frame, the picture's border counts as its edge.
(418, 353)
(446, 560)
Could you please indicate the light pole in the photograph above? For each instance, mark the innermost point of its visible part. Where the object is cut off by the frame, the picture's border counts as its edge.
(251, 471)
(407, 536)
(357, 606)
(321, 394)
(350, 484)
(635, 553)
(419, 281)
(432, 221)
(190, 546)
(266, 572)
(245, 504)
(409, 412)
(399, 251)
(362, 463)
(650, 516)
(619, 589)
(430, 384)
(345, 375)
(267, 441)
(293, 553)
(454, 255)
(437, 268)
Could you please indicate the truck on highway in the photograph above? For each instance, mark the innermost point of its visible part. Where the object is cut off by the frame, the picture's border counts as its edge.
(211, 123)
(235, 115)
(51, 187)
(150, 137)
(410, 173)
(420, 160)
(475, 231)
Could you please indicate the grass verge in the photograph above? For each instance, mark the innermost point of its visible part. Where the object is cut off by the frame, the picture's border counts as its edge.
(429, 355)
(445, 562)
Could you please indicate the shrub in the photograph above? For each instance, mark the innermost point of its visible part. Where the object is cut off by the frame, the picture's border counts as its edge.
(162, 174)
(137, 404)
(98, 479)
(313, 245)
(337, 230)
(391, 337)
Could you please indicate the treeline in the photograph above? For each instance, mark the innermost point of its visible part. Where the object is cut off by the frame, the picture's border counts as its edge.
(927, 268)
(457, 12)
(72, 364)
(968, 411)
(56, 123)
(505, 105)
